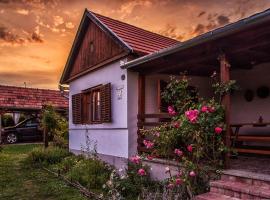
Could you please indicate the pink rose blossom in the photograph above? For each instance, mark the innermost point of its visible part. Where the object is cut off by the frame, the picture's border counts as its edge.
(218, 130)
(192, 174)
(192, 115)
(204, 109)
(149, 157)
(178, 181)
(135, 159)
(207, 109)
(190, 148)
(170, 186)
(178, 152)
(171, 110)
(157, 134)
(148, 144)
(141, 172)
(176, 124)
(211, 109)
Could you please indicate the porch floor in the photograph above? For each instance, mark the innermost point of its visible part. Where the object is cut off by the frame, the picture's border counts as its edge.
(251, 164)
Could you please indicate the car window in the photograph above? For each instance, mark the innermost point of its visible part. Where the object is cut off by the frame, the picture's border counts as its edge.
(31, 123)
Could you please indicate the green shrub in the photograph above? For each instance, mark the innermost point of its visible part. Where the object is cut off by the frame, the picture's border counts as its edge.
(51, 155)
(7, 120)
(68, 163)
(91, 173)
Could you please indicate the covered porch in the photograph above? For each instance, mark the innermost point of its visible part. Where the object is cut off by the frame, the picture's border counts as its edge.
(239, 51)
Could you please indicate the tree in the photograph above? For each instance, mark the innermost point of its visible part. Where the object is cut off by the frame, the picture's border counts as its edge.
(49, 122)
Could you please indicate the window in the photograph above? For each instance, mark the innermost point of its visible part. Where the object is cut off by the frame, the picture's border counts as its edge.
(95, 109)
(92, 105)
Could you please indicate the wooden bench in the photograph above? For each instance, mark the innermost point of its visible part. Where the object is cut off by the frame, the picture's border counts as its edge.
(235, 137)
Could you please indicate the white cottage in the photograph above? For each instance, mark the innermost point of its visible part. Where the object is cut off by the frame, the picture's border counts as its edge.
(103, 96)
(116, 73)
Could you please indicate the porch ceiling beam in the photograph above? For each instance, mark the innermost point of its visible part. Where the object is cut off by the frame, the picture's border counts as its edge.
(224, 78)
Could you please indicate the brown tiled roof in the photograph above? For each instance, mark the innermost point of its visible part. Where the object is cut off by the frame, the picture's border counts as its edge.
(140, 40)
(12, 97)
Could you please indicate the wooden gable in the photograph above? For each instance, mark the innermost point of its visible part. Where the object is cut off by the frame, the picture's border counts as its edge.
(93, 47)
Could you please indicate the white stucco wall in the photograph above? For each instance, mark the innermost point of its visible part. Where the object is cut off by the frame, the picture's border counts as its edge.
(243, 111)
(132, 110)
(111, 138)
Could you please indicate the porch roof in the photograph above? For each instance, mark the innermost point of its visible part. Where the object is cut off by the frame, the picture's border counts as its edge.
(246, 43)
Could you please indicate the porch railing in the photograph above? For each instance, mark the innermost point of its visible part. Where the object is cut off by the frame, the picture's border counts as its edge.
(149, 121)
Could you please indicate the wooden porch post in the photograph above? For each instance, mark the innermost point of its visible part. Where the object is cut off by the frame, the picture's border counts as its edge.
(226, 101)
(141, 108)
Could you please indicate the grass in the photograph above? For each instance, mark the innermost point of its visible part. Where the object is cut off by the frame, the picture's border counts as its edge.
(19, 181)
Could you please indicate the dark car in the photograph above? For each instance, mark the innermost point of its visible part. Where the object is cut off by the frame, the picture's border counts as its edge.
(27, 130)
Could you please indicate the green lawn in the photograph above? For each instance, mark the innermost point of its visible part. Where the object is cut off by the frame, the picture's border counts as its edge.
(21, 182)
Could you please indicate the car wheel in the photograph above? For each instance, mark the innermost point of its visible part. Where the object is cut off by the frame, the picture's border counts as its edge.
(12, 138)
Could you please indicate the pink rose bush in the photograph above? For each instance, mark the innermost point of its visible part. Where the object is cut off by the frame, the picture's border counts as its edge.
(192, 115)
(190, 148)
(135, 159)
(193, 138)
(178, 152)
(142, 172)
(171, 111)
(218, 130)
(148, 144)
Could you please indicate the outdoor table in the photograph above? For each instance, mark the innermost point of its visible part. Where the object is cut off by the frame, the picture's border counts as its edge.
(253, 138)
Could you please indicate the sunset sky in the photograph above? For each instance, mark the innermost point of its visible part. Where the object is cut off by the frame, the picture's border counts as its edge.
(36, 35)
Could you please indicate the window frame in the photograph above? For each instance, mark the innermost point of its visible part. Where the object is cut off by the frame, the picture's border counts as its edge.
(87, 106)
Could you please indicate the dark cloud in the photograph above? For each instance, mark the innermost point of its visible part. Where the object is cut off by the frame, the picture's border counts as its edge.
(222, 20)
(171, 31)
(201, 14)
(9, 37)
(36, 38)
(213, 21)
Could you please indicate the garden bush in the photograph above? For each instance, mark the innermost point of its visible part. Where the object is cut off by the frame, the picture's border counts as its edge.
(194, 137)
(7, 120)
(48, 156)
(91, 173)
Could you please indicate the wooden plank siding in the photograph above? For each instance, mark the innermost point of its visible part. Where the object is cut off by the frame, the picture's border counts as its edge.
(104, 48)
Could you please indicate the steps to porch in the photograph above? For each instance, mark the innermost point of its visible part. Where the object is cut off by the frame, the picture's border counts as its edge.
(236, 184)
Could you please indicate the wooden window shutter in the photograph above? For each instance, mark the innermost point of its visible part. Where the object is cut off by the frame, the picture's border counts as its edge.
(106, 111)
(77, 108)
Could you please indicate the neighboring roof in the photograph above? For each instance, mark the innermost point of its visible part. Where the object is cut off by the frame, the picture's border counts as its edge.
(12, 97)
(140, 40)
(132, 39)
(241, 25)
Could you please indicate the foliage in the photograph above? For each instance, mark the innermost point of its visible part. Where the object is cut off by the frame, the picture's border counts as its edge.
(91, 173)
(20, 180)
(221, 88)
(48, 156)
(129, 184)
(7, 120)
(56, 125)
(194, 138)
